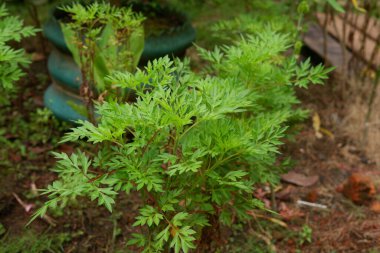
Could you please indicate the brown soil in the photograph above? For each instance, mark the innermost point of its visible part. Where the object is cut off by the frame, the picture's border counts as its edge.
(344, 226)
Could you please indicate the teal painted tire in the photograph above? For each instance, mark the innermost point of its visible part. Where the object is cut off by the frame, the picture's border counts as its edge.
(53, 32)
(57, 101)
(174, 42)
(64, 71)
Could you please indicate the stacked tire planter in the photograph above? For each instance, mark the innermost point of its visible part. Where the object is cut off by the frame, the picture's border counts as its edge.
(63, 94)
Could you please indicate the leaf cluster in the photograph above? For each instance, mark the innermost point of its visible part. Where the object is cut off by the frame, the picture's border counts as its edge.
(33, 242)
(102, 39)
(12, 60)
(193, 146)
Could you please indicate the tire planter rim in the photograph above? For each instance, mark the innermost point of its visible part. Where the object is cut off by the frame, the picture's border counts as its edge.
(53, 32)
(173, 42)
(64, 71)
(58, 102)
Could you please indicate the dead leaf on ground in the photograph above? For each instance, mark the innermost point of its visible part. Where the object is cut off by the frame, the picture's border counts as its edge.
(319, 131)
(299, 179)
(317, 125)
(39, 150)
(312, 196)
(289, 213)
(327, 132)
(38, 56)
(359, 189)
(271, 219)
(286, 193)
(260, 193)
(375, 206)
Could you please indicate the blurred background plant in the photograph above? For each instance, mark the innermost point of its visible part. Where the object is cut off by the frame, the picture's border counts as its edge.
(11, 60)
(102, 39)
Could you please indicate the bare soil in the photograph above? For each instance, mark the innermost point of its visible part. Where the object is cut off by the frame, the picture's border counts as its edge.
(343, 226)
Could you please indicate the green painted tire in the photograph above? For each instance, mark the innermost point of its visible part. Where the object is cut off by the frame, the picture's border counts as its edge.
(66, 74)
(53, 32)
(57, 101)
(64, 71)
(172, 43)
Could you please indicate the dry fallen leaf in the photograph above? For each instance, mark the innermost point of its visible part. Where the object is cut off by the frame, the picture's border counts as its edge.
(299, 179)
(39, 150)
(38, 57)
(286, 193)
(375, 206)
(356, 5)
(317, 125)
(327, 132)
(271, 219)
(289, 213)
(260, 193)
(312, 196)
(359, 189)
(319, 131)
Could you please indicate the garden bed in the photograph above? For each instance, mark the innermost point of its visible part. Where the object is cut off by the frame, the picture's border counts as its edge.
(343, 227)
(331, 155)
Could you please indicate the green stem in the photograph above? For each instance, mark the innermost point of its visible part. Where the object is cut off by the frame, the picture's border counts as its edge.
(220, 162)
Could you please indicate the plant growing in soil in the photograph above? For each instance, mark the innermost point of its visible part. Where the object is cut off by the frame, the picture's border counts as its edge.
(102, 39)
(11, 60)
(193, 146)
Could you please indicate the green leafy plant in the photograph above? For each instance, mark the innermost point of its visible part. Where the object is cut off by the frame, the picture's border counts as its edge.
(267, 15)
(305, 235)
(11, 60)
(102, 39)
(33, 242)
(193, 146)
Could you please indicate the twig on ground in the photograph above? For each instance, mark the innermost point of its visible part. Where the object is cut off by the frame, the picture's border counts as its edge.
(310, 204)
(27, 207)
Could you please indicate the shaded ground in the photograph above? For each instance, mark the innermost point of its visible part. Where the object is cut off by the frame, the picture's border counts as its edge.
(344, 227)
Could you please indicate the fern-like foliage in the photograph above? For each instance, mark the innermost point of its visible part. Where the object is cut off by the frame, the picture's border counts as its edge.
(102, 39)
(260, 16)
(193, 145)
(11, 59)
